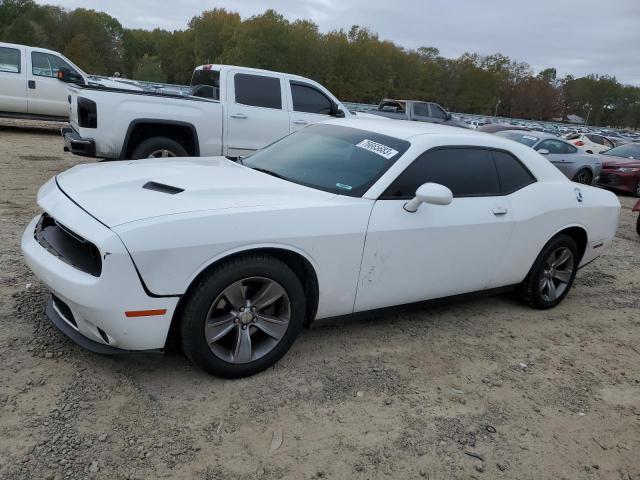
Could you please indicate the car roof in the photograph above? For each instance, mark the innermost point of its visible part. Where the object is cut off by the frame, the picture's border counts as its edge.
(401, 129)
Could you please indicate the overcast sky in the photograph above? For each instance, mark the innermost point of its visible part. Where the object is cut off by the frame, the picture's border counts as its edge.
(575, 36)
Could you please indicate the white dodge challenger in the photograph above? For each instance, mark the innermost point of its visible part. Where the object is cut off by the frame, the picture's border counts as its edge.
(235, 258)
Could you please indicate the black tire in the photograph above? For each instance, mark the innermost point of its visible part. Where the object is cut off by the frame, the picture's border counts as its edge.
(583, 176)
(638, 225)
(530, 289)
(636, 191)
(146, 148)
(211, 286)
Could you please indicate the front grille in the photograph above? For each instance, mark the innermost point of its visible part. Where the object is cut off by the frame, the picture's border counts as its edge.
(68, 246)
(65, 311)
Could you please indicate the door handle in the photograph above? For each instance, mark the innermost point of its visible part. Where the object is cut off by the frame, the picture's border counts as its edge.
(301, 122)
(498, 211)
(32, 84)
(238, 115)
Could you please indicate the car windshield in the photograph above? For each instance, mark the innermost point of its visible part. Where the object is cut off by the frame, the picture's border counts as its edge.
(341, 160)
(528, 140)
(630, 150)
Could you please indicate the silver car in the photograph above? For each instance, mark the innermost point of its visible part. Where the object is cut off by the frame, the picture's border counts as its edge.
(577, 165)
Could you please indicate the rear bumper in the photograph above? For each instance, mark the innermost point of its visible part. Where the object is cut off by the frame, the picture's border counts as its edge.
(74, 143)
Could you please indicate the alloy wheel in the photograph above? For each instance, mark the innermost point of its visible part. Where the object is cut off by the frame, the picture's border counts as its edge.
(556, 274)
(583, 177)
(247, 320)
(161, 154)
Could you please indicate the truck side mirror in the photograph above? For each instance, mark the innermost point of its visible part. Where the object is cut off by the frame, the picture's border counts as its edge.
(337, 111)
(67, 75)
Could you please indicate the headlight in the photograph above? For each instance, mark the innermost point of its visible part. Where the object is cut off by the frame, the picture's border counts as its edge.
(627, 169)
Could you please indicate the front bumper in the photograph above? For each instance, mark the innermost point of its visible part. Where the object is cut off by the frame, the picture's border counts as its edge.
(74, 143)
(625, 181)
(97, 304)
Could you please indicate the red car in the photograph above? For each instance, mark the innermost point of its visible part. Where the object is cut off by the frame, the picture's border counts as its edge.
(621, 168)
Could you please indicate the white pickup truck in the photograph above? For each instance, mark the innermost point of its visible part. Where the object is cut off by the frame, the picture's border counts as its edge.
(231, 111)
(29, 87)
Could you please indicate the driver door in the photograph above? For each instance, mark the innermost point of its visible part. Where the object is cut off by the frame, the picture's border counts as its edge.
(437, 251)
(46, 94)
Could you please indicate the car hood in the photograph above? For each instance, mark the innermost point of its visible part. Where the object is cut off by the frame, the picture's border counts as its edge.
(126, 191)
(611, 161)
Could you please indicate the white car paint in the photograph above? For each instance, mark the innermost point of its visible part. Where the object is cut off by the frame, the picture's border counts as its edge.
(367, 253)
(222, 127)
(585, 143)
(30, 91)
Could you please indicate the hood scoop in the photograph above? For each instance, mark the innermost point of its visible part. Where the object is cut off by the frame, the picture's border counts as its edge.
(162, 188)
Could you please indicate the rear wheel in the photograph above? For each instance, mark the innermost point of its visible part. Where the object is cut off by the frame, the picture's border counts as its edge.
(552, 274)
(159, 147)
(243, 316)
(583, 176)
(636, 191)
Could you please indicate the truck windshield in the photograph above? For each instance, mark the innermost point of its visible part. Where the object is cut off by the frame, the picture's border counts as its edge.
(337, 159)
(205, 83)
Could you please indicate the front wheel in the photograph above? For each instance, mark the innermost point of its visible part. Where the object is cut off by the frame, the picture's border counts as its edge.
(638, 225)
(583, 176)
(552, 274)
(243, 316)
(636, 191)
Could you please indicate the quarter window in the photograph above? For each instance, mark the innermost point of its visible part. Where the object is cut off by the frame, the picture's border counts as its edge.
(258, 91)
(467, 172)
(309, 99)
(47, 65)
(9, 60)
(512, 174)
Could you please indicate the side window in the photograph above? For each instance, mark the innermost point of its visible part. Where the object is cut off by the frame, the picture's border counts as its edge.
(466, 171)
(554, 146)
(437, 112)
(258, 91)
(9, 60)
(512, 174)
(421, 109)
(607, 143)
(596, 139)
(568, 148)
(309, 99)
(47, 65)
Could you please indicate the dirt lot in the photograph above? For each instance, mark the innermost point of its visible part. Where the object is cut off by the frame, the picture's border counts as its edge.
(484, 388)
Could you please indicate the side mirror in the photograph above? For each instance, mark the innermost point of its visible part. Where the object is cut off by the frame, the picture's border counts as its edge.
(69, 76)
(432, 193)
(337, 111)
(543, 151)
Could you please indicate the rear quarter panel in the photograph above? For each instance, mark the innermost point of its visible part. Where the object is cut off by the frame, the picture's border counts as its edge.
(117, 110)
(543, 209)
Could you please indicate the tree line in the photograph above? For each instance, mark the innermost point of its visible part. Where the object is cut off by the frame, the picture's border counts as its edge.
(355, 64)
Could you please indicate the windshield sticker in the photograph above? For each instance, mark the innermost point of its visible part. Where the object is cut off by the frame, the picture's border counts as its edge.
(377, 148)
(343, 186)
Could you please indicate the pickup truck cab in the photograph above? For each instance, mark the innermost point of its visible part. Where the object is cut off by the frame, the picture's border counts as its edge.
(417, 111)
(231, 111)
(29, 87)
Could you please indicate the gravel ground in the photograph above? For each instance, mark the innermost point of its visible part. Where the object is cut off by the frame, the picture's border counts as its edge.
(484, 388)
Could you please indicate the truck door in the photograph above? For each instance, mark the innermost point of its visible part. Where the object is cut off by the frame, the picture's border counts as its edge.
(47, 95)
(13, 85)
(256, 112)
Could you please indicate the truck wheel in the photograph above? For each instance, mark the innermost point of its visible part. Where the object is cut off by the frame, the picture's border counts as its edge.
(158, 147)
